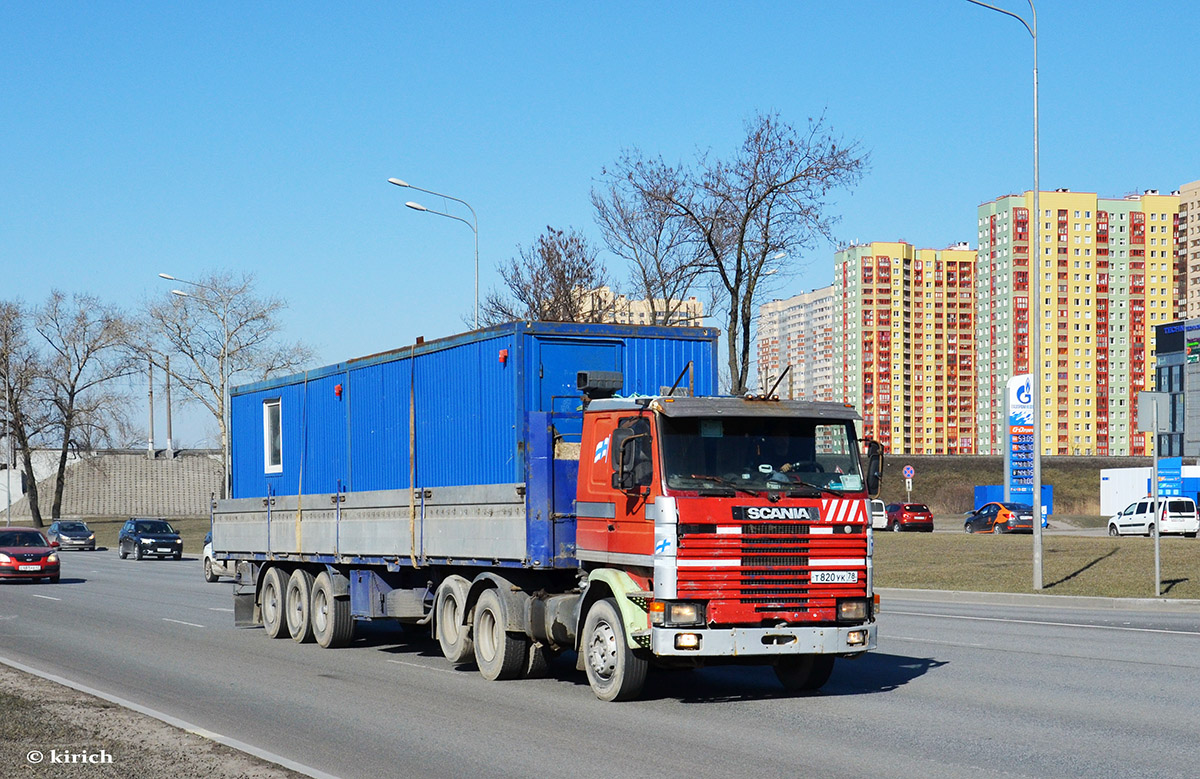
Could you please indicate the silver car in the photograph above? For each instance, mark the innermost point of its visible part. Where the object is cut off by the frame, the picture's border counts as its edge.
(213, 568)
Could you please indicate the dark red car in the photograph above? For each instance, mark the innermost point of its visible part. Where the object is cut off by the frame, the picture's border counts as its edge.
(909, 516)
(26, 554)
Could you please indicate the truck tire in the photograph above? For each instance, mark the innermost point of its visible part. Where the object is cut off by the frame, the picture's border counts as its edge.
(614, 671)
(454, 637)
(271, 598)
(498, 653)
(332, 624)
(805, 673)
(299, 606)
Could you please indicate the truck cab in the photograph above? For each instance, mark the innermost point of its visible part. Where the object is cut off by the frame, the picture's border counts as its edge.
(742, 526)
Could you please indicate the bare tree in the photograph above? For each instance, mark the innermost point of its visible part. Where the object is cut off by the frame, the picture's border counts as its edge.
(771, 196)
(224, 331)
(639, 225)
(86, 342)
(25, 415)
(552, 281)
(57, 374)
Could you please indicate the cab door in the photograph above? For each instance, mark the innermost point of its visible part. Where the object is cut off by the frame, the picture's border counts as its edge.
(634, 448)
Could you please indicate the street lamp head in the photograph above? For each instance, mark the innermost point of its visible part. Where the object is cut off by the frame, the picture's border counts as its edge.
(167, 276)
(779, 255)
(180, 293)
(398, 182)
(416, 206)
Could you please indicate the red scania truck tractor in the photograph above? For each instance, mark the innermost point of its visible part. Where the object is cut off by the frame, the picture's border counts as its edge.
(534, 488)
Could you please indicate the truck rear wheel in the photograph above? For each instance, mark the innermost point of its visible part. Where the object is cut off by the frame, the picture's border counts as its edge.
(453, 636)
(332, 624)
(614, 671)
(270, 599)
(498, 653)
(299, 606)
(804, 673)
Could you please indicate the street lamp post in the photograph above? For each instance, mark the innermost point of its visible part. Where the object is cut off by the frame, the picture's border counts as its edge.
(223, 364)
(1035, 309)
(474, 225)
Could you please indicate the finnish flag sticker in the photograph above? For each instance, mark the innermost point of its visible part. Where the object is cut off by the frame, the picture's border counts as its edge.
(601, 451)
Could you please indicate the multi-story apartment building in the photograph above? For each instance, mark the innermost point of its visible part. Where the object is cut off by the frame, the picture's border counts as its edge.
(904, 344)
(1189, 251)
(629, 311)
(797, 332)
(1108, 276)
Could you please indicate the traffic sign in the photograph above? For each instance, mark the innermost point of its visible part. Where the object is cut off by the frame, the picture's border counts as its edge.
(909, 472)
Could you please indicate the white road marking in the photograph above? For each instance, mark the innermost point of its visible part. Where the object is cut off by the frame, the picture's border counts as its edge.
(45, 597)
(1047, 624)
(213, 608)
(181, 622)
(931, 641)
(422, 667)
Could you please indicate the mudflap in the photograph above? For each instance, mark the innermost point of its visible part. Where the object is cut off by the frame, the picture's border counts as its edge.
(245, 603)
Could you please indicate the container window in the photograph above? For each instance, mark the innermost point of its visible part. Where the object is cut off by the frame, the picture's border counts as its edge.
(272, 437)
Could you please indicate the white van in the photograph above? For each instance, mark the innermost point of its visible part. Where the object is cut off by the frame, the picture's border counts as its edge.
(1175, 515)
(878, 515)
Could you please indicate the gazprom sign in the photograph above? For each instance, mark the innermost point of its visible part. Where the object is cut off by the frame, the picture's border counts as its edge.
(1018, 459)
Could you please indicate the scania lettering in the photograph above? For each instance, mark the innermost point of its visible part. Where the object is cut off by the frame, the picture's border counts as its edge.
(533, 489)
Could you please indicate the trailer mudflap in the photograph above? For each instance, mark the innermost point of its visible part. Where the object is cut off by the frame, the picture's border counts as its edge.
(245, 604)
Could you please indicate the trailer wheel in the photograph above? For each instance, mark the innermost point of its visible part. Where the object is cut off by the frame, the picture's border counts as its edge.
(452, 634)
(271, 598)
(614, 671)
(332, 624)
(805, 673)
(498, 653)
(299, 606)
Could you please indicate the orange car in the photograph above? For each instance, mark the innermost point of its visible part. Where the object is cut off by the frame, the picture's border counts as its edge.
(1001, 518)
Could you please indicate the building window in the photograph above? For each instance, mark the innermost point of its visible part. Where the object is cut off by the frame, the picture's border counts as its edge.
(272, 437)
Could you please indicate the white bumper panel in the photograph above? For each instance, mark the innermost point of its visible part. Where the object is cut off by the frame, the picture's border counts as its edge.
(760, 642)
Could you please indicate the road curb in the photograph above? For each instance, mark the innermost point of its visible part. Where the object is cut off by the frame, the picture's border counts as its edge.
(1031, 599)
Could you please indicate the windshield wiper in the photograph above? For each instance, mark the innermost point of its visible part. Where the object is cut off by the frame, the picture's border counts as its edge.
(819, 488)
(725, 483)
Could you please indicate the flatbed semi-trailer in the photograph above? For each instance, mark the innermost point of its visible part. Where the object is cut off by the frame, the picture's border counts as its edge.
(535, 488)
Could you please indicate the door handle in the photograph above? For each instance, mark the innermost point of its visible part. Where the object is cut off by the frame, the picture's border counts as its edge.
(611, 527)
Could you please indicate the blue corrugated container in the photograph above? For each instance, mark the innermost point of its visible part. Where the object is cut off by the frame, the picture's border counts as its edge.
(345, 427)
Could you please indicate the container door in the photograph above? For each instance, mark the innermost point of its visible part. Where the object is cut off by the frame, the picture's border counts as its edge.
(557, 364)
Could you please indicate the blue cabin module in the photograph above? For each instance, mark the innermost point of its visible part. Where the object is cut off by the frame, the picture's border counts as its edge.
(484, 415)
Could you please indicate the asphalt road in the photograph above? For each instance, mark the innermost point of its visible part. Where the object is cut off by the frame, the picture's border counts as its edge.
(955, 690)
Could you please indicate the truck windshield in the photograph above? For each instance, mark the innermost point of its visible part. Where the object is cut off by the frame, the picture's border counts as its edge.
(759, 454)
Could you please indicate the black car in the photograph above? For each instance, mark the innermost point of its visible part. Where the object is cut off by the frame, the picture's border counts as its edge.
(142, 537)
(71, 534)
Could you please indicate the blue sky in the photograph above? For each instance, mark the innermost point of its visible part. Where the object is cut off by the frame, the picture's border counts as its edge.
(148, 137)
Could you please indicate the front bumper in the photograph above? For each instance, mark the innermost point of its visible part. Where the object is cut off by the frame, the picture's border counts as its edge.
(11, 571)
(764, 642)
(76, 543)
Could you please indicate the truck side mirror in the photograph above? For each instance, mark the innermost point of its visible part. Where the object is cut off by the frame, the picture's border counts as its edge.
(874, 467)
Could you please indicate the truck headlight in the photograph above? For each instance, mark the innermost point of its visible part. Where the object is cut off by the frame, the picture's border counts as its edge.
(852, 611)
(684, 613)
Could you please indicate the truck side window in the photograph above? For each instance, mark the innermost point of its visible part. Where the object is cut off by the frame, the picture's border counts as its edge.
(637, 428)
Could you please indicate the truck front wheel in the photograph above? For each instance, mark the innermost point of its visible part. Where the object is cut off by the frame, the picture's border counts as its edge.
(804, 673)
(614, 672)
(498, 653)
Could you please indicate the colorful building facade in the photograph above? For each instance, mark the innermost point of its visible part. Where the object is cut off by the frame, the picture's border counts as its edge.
(904, 344)
(1108, 276)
